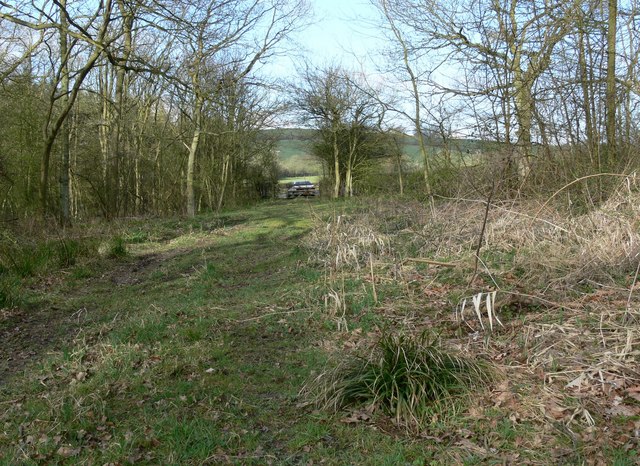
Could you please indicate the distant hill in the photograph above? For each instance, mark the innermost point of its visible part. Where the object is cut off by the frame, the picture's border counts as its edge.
(294, 150)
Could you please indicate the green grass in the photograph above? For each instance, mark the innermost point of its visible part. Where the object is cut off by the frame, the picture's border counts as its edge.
(412, 379)
(195, 358)
(189, 341)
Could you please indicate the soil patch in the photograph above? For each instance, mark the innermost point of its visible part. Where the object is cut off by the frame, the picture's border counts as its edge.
(27, 334)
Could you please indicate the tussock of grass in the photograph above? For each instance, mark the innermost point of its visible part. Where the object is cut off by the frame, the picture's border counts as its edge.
(409, 378)
(347, 243)
(115, 247)
(547, 248)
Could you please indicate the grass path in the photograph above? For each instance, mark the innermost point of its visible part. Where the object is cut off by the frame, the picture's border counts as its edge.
(193, 347)
(190, 351)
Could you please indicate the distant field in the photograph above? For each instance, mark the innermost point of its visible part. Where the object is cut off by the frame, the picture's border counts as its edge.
(315, 179)
(293, 148)
(295, 158)
(294, 153)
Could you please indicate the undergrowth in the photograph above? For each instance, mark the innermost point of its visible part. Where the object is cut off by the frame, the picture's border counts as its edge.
(412, 379)
(24, 260)
(560, 282)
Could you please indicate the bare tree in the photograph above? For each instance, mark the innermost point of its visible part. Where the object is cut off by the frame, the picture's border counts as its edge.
(498, 49)
(216, 34)
(611, 96)
(346, 116)
(94, 32)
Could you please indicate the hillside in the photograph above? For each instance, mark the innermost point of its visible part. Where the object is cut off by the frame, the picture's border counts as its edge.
(294, 151)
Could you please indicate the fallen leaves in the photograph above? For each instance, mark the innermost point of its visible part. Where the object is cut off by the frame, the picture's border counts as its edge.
(554, 411)
(67, 451)
(359, 416)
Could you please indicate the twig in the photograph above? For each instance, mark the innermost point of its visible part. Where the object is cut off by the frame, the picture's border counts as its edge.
(432, 262)
(481, 237)
(10, 401)
(268, 314)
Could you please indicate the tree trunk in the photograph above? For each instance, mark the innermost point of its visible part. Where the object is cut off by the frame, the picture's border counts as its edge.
(193, 149)
(65, 216)
(610, 98)
(524, 116)
(336, 165)
(585, 80)
(224, 179)
(416, 98)
(348, 181)
(400, 174)
(51, 131)
(114, 185)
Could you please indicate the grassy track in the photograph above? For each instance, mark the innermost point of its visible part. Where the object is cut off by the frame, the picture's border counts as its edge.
(193, 347)
(190, 350)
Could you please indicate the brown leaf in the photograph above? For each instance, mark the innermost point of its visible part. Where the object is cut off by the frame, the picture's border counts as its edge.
(356, 417)
(623, 410)
(67, 452)
(555, 411)
(577, 382)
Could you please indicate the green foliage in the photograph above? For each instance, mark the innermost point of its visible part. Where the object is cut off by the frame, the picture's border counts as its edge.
(118, 247)
(67, 251)
(24, 259)
(136, 237)
(10, 290)
(31, 257)
(407, 377)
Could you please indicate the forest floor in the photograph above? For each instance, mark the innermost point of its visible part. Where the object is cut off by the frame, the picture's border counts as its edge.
(193, 348)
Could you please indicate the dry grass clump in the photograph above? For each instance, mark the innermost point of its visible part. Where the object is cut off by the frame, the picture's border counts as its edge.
(348, 243)
(599, 247)
(548, 249)
(590, 356)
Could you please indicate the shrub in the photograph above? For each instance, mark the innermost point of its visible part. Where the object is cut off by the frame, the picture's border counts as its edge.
(118, 247)
(409, 378)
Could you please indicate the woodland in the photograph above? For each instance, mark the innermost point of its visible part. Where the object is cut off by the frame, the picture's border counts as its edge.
(463, 290)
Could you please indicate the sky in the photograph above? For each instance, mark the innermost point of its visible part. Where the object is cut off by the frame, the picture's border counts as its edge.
(338, 34)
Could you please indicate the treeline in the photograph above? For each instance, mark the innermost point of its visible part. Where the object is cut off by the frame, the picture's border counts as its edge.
(119, 108)
(554, 84)
(504, 97)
